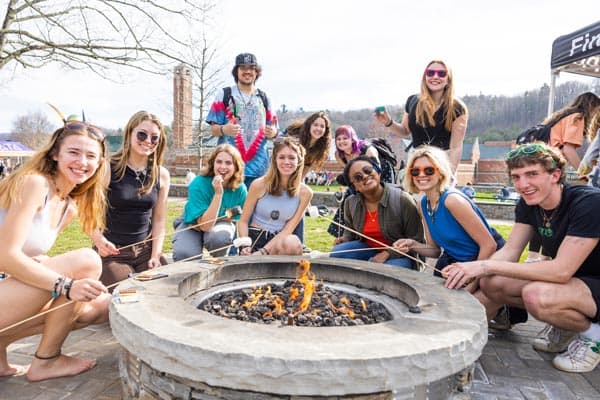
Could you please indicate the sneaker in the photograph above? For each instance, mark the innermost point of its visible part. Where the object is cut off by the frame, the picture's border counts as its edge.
(553, 340)
(501, 321)
(582, 355)
(306, 249)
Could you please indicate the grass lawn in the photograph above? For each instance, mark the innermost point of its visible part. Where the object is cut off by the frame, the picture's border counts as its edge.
(315, 232)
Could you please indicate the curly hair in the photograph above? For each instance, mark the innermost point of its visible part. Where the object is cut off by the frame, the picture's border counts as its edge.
(238, 176)
(317, 153)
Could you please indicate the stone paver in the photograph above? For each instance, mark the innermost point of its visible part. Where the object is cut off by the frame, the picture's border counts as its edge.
(507, 369)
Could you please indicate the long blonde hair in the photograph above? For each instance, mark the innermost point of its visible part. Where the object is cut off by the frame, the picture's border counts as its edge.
(120, 159)
(273, 177)
(426, 106)
(238, 176)
(90, 196)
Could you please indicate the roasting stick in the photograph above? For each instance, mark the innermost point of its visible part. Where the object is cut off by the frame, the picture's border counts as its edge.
(386, 246)
(228, 213)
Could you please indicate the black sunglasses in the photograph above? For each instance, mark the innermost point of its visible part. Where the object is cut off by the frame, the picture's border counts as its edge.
(358, 177)
(84, 126)
(416, 171)
(142, 136)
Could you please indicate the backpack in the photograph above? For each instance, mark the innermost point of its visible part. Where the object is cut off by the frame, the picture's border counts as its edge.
(387, 158)
(539, 132)
(227, 97)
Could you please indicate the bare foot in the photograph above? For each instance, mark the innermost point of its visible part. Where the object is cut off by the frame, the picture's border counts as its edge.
(58, 367)
(14, 370)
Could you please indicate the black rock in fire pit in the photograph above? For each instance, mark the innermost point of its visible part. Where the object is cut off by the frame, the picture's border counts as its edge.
(271, 303)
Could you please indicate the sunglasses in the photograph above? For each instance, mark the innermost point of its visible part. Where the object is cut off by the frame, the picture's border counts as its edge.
(432, 72)
(83, 126)
(358, 177)
(416, 171)
(142, 136)
(526, 150)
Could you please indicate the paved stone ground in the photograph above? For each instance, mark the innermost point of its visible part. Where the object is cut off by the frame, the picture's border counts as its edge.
(509, 368)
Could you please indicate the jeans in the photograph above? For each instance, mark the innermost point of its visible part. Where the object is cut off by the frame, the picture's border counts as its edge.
(190, 243)
(366, 255)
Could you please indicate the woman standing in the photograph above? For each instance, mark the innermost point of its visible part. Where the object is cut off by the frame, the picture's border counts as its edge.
(37, 201)
(314, 134)
(137, 202)
(379, 211)
(452, 222)
(435, 117)
(276, 203)
(220, 186)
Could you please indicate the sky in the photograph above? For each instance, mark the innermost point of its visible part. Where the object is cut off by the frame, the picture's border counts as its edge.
(332, 54)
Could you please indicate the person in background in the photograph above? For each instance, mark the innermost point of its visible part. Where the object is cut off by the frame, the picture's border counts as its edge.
(468, 190)
(588, 167)
(455, 228)
(138, 190)
(563, 291)
(435, 117)
(241, 116)
(37, 201)
(378, 210)
(276, 203)
(219, 187)
(189, 177)
(502, 194)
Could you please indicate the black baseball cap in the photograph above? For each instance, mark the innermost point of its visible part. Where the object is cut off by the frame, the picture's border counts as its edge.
(245, 59)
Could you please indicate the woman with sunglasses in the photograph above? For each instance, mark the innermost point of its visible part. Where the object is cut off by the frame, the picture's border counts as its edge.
(37, 201)
(435, 117)
(204, 224)
(382, 212)
(137, 202)
(276, 203)
(452, 221)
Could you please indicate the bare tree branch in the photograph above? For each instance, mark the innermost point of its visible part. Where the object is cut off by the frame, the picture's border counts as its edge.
(144, 34)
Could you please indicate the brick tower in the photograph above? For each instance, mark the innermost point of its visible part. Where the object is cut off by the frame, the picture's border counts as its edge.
(182, 105)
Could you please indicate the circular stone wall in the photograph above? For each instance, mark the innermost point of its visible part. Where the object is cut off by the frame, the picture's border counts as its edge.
(166, 333)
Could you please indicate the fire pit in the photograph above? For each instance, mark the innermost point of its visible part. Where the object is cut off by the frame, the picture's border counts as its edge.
(174, 350)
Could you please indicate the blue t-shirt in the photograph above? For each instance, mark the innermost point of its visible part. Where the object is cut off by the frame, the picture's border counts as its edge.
(448, 233)
(201, 193)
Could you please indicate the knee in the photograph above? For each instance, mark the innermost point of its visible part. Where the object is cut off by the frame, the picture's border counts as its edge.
(218, 239)
(182, 253)
(492, 287)
(537, 299)
(292, 246)
(87, 264)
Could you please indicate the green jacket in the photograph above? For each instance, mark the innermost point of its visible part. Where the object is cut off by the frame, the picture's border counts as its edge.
(397, 213)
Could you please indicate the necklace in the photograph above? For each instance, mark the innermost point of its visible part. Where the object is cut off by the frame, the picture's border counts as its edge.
(546, 229)
(248, 101)
(431, 210)
(58, 194)
(140, 175)
(372, 216)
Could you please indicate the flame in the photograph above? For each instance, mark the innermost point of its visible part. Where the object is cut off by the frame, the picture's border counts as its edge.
(346, 310)
(279, 303)
(345, 301)
(364, 305)
(306, 279)
(255, 297)
(294, 293)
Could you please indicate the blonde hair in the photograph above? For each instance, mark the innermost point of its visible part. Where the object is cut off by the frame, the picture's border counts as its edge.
(238, 176)
(438, 158)
(426, 106)
(273, 177)
(89, 196)
(120, 159)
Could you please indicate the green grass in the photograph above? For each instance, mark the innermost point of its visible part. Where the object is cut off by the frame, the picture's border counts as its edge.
(315, 233)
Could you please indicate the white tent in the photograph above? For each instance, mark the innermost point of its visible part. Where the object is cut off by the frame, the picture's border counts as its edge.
(577, 53)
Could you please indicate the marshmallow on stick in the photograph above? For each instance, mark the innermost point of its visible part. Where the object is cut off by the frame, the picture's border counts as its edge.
(242, 241)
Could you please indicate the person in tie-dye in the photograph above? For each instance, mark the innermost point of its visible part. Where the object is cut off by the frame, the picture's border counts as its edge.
(240, 115)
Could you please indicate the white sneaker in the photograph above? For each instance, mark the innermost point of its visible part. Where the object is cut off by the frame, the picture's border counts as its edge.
(553, 340)
(582, 355)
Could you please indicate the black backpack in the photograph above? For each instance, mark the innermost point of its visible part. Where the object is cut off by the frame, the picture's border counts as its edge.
(227, 97)
(387, 158)
(539, 132)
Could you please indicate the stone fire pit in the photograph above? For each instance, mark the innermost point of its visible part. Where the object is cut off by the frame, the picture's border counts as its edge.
(174, 350)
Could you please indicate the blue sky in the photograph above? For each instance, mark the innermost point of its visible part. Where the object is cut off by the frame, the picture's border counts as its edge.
(336, 54)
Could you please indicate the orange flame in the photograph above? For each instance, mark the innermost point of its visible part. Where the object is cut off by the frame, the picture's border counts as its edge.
(346, 310)
(364, 305)
(255, 297)
(306, 279)
(279, 303)
(294, 292)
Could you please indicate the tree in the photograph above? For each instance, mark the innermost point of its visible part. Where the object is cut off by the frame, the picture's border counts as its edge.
(33, 130)
(95, 34)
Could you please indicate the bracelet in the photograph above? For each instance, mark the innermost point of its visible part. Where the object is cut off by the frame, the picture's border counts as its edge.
(388, 124)
(58, 285)
(221, 130)
(67, 288)
(264, 251)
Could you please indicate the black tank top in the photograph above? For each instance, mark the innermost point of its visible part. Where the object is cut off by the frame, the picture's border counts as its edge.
(128, 219)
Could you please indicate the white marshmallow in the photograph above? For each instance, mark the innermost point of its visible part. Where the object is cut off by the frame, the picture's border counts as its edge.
(242, 241)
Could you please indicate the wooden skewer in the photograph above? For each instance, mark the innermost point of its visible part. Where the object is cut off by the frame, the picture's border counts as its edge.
(384, 245)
